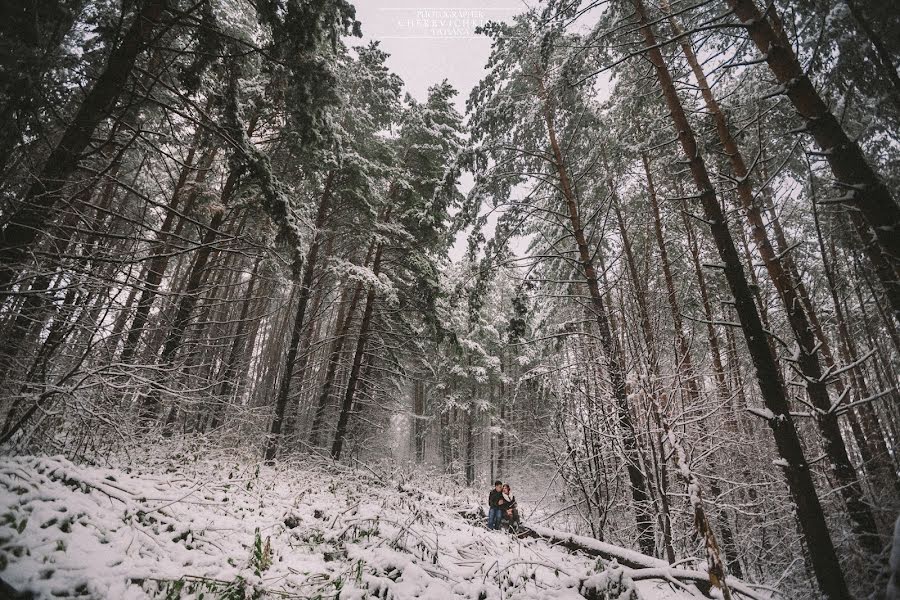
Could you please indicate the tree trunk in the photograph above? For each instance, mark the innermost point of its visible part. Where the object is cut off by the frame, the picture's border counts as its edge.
(32, 312)
(159, 250)
(236, 353)
(873, 443)
(863, 188)
(796, 468)
(505, 385)
(419, 420)
(39, 205)
(188, 300)
(310, 331)
(614, 359)
(342, 330)
(655, 394)
(692, 387)
(470, 445)
(284, 387)
(361, 341)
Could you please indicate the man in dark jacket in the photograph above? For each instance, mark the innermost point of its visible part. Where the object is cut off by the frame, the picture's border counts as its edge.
(495, 508)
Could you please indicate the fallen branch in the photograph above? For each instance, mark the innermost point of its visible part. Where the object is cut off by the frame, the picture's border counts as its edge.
(640, 565)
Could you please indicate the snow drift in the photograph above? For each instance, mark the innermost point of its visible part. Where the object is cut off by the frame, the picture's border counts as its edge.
(186, 527)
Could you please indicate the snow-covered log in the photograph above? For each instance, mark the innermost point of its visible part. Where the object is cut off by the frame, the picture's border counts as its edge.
(640, 566)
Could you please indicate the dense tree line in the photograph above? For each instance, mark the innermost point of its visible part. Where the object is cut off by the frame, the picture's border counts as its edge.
(227, 220)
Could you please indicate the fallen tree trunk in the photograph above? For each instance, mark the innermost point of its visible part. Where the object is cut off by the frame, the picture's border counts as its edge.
(639, 566)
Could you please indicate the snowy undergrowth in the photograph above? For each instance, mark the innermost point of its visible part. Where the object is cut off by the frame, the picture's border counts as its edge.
(187, 526)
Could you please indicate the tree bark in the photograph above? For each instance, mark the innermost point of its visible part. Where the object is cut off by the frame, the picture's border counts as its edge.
(309, 267)
(39, 206)
(864, 189)
(794, 464)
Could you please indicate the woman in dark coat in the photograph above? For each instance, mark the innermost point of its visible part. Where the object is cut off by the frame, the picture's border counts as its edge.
(510, 508)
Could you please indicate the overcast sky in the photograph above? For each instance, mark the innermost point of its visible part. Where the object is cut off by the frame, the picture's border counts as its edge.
(430, 40)
(433, 40)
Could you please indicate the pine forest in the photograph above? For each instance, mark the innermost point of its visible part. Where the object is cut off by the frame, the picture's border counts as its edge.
(272, 322)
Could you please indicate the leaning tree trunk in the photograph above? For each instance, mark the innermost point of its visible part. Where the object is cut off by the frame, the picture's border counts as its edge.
(31, 313)
(236, 352)
(693, 390)
(284, 388)
(614, 359)
(857, 387)
(801, 321)
(655, 392)
(863, 189)
(361, 341)
(41, 27)
(873, 443)
(342, 331)
(305, 353)
(39, 206)
(796, 468)
(189, 297)
(159, 250)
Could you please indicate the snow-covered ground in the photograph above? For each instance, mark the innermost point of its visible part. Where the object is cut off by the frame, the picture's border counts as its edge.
(222, 527)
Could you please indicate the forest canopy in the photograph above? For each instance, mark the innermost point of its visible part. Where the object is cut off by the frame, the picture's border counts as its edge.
(653, 267)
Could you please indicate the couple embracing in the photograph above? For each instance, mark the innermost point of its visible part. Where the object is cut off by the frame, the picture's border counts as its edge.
(502, 506)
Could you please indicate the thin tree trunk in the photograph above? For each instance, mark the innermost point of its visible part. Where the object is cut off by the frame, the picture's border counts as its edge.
(309, 267)
(419, 420)
(470, 445)
(653, 368)
(237, 351)
(692, 387)
(505, 384)
(361, 341)
(185, 307)
(160, 250)
(863, 188)
(711, 335)
(311, 331)
(342, 330)
(614, 360)
(873, 443)
(796, 468)
(39, 206)
(32, 313)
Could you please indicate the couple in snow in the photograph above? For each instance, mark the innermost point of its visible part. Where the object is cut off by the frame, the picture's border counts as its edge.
(502, 506)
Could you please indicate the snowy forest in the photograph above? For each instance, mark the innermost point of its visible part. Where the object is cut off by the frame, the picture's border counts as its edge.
(271, 325)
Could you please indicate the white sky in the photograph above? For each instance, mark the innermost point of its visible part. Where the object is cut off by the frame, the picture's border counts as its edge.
(430, 40)
(433, 40)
